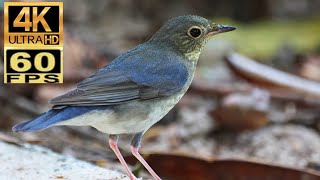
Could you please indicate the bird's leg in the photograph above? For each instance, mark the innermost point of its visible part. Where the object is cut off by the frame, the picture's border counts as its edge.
(113, 143)
(135, 145)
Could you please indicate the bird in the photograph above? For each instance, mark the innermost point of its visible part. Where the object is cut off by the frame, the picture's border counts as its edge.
(137, 89)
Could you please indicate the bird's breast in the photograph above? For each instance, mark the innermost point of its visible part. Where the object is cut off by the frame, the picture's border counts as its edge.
(133, 117)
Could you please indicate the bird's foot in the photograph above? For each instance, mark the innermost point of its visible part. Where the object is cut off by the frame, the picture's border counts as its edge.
(135, 152)
(132, 177)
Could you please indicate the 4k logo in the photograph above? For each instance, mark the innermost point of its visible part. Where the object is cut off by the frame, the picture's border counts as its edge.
(36, 18)
(33, 39)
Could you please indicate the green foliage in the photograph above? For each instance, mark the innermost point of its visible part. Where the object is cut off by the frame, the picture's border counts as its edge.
(263, 39)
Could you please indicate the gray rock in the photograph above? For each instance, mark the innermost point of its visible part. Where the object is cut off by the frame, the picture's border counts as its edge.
(34, 162)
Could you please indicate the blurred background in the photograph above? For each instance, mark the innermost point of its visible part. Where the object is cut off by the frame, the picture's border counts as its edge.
(255, 97)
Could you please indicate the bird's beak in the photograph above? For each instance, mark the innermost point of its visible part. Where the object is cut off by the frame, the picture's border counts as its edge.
(221, 29)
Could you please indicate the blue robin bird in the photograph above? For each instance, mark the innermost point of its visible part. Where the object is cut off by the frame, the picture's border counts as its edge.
(136, 89)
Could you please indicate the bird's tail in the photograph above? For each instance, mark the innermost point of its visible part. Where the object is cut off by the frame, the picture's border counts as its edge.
(43, 121)
(55, 116)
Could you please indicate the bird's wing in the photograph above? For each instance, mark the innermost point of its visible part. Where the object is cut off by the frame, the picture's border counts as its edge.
(143, 76)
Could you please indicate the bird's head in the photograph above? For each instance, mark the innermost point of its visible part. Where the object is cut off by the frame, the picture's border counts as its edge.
(188, 34)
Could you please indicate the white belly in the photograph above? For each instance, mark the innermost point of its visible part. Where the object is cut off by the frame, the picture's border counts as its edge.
(133, 117)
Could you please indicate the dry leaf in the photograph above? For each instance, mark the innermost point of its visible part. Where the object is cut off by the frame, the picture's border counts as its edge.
(271, 78)
(242, 111)
(175, 166)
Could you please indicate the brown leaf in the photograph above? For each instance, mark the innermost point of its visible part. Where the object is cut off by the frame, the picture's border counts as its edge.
(8, 139)
(242, 111)
(170, 166)
(271, 78)
(211, 89)
(311, 68)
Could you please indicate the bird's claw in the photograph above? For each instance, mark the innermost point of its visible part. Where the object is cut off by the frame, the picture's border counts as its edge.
(132, 177)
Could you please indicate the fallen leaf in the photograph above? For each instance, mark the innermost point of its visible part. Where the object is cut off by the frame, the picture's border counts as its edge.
(177, 166)
(242, 111)
(311, 68)
(271, 78)
(8, 139)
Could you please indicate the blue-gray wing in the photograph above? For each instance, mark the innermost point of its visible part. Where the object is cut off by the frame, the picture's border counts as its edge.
(137, 75)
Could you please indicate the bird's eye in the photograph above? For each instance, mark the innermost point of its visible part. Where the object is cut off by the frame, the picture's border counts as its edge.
(195, 32)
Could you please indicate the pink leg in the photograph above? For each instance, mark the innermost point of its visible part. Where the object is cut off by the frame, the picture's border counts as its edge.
(113, 143)
(135, 152)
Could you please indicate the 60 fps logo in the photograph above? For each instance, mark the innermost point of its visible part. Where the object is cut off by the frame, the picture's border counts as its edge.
(33, 40)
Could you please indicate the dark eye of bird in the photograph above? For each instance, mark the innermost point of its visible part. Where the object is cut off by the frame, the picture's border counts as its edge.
(195, 32)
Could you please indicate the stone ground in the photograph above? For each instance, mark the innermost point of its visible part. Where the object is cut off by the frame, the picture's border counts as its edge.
(35, 162)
